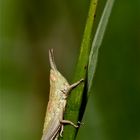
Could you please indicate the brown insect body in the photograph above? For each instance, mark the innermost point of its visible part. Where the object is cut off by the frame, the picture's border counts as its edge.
(59, 89)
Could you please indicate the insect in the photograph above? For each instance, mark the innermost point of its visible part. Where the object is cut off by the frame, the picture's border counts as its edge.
(59, 91)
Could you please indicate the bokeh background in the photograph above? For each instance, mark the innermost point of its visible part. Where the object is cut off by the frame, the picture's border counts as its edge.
(28, 28)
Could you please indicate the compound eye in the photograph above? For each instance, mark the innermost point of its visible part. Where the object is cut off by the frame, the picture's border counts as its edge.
(53, 76)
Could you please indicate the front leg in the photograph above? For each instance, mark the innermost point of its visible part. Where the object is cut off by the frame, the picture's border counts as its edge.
(71, 86)
(76, 84)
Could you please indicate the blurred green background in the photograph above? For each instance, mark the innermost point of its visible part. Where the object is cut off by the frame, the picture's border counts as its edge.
(29, 28)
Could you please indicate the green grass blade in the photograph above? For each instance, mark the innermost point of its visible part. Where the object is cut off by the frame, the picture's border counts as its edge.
(75, 98)
(75, 102)
(97, 42)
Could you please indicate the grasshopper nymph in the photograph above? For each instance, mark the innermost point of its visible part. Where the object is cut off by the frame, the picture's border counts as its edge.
(59, 90)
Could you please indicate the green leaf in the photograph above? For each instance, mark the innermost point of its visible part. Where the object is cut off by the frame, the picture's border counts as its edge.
(97, 42)
(75, 99)
(88, 57)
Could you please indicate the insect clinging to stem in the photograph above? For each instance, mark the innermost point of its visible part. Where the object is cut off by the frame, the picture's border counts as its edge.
(59, 91)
